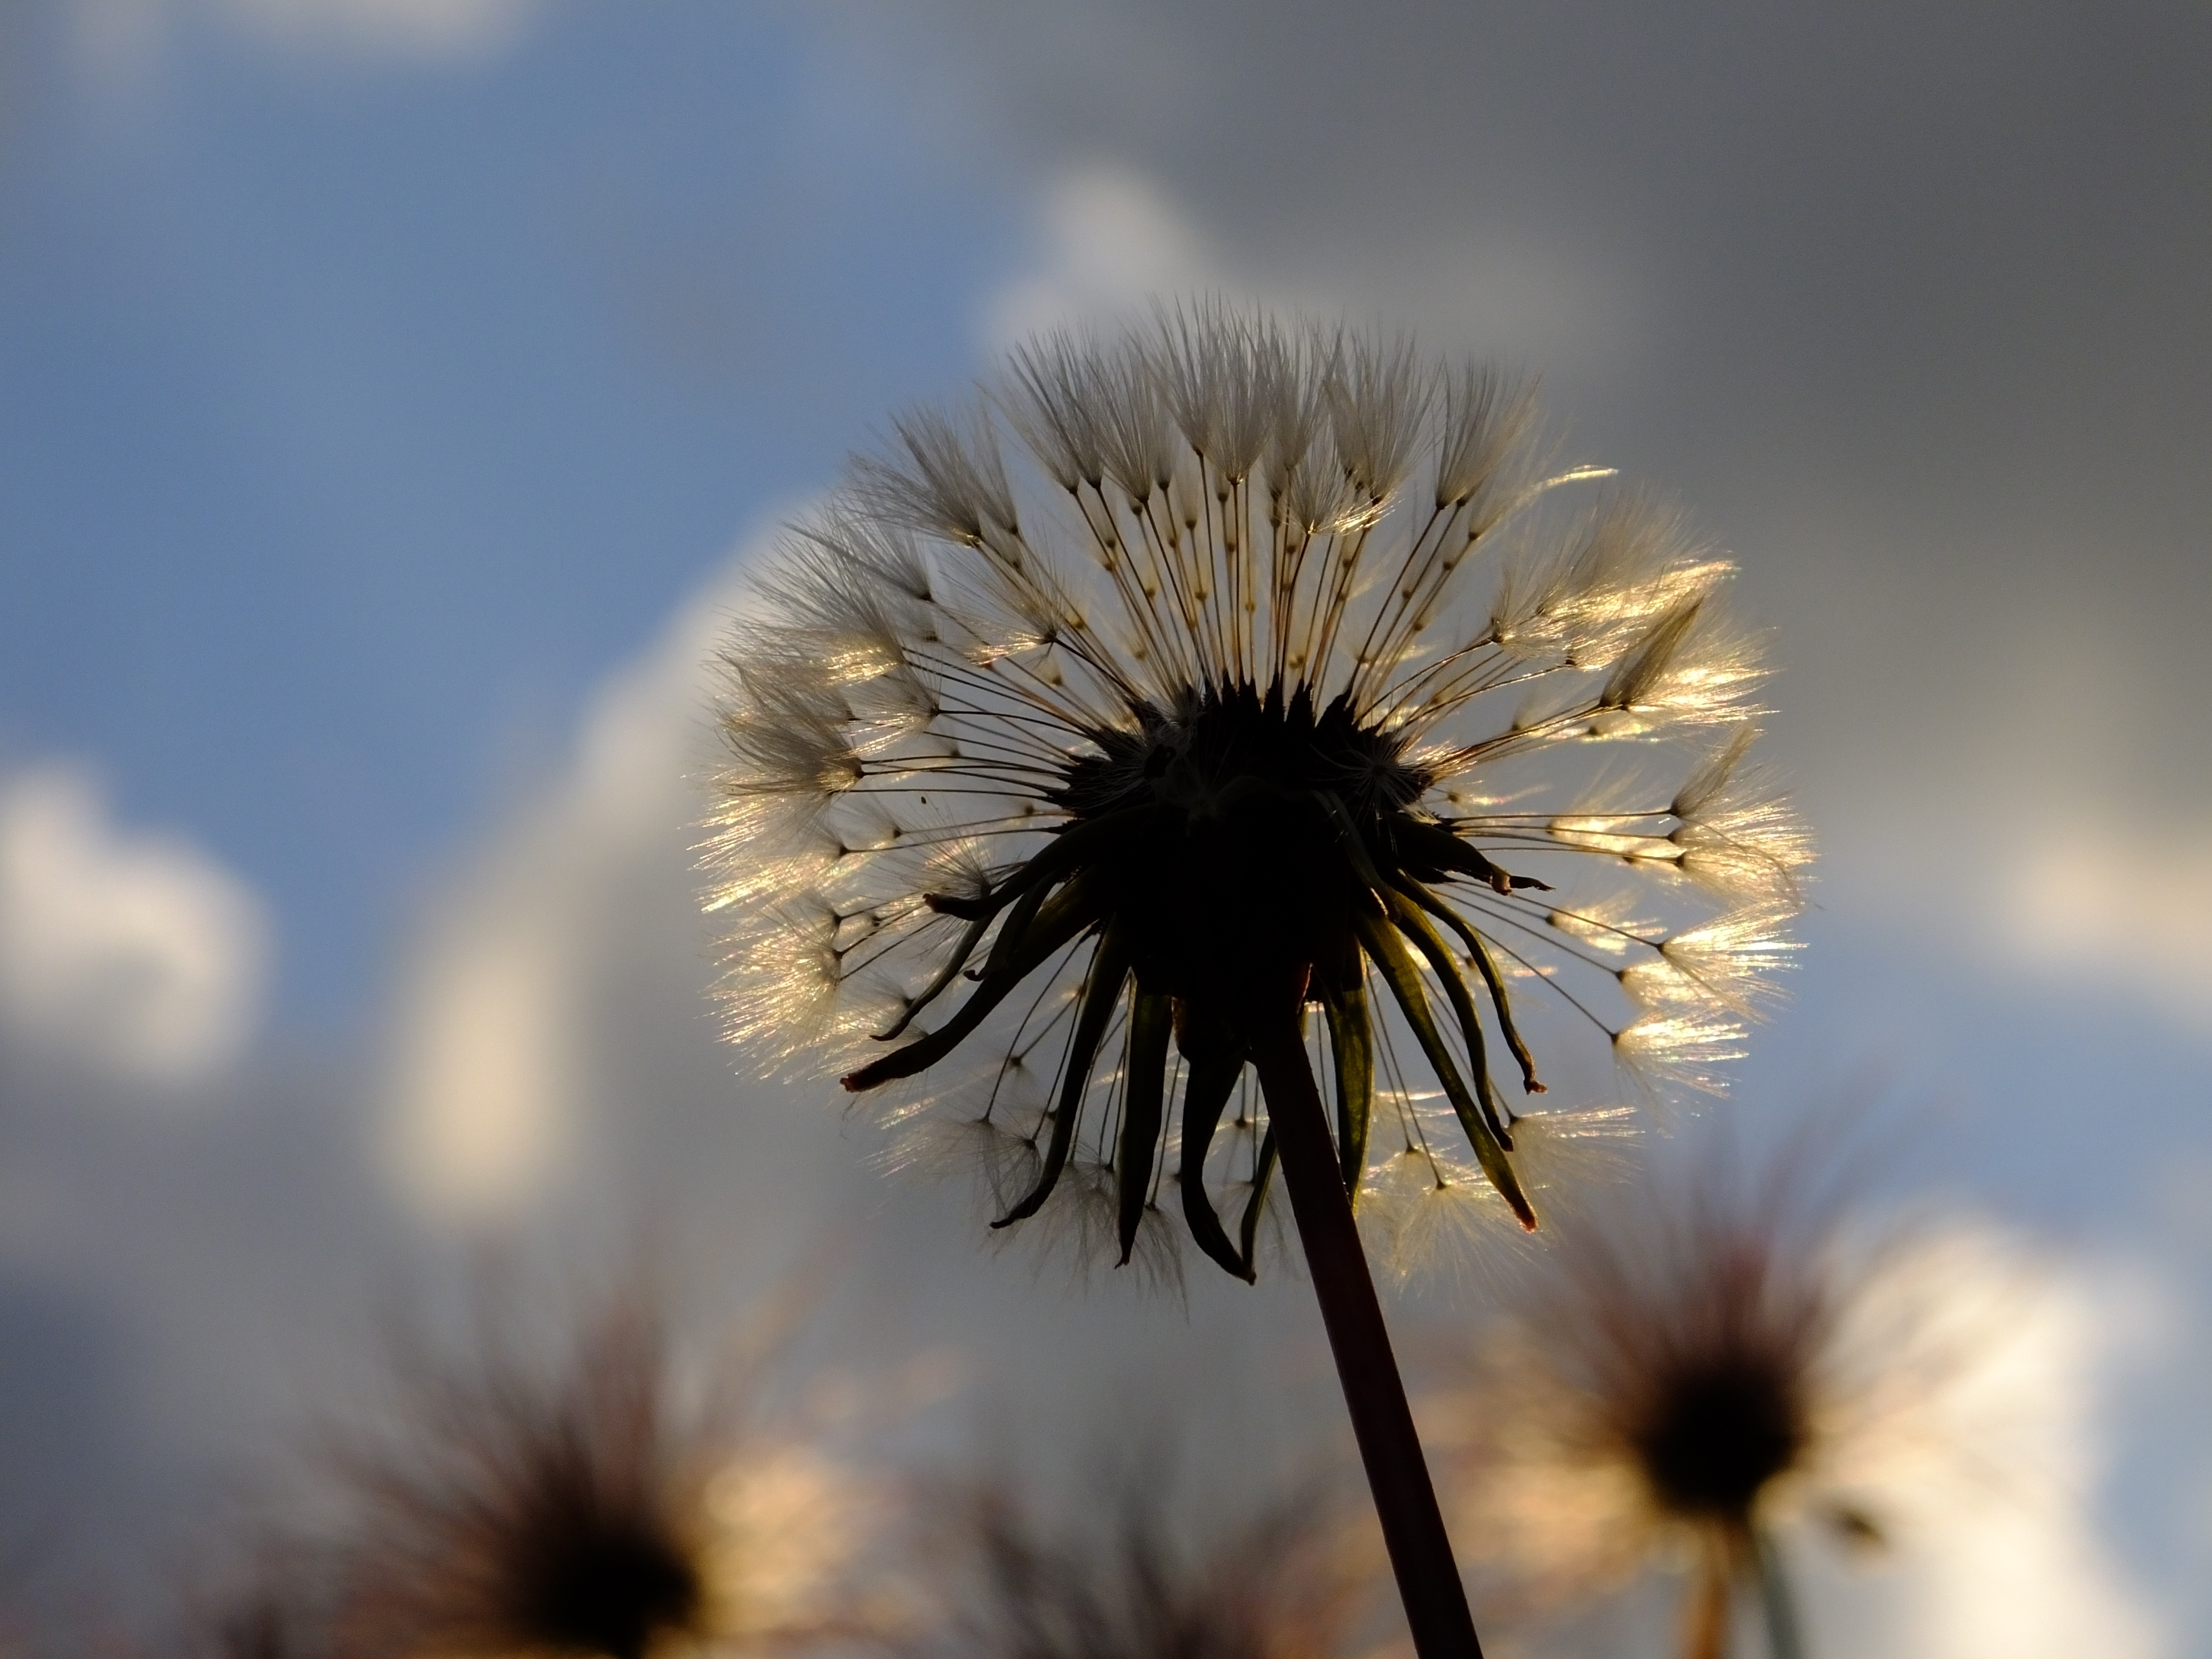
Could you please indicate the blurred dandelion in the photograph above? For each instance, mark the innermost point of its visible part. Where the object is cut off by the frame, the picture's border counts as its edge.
(1125, 1587)
(284, 1607)
(590, 1510)
(1683, 1379)
(1239, 693)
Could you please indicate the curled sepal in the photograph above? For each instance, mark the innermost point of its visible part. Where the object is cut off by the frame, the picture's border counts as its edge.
(1478, 951)
(1077, 844)
(1043, 930)
(1204, 1096)
(1109, 969)
(1352, 1050)
(1407, 917)
(1395, 963)
(1433, 845)
(1485, 965)
(1263, 1172)
(1144, 1090)
(945, 977)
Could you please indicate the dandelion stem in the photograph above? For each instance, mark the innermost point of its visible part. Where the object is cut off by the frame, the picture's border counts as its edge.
(1783, 1639)
(1706, 1613)
(1405, 1500)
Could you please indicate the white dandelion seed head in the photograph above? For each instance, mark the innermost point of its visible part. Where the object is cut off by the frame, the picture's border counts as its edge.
(1578, 1154)
(1420, 1211)
(1080, 689)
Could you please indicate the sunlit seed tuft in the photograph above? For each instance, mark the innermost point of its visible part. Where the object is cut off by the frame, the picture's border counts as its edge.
(1256, 652)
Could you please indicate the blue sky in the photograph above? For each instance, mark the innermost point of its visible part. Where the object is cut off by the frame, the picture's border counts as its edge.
(361, 415)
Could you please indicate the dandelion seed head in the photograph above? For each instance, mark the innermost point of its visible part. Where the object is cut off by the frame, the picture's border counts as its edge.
(1123, 1583)
(1221, 656)
(1688, 1369)
(588, 1510)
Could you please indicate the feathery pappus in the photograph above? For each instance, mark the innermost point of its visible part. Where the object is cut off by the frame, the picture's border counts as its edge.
(1225, 660)
(1712, 1372)
(587, 1509)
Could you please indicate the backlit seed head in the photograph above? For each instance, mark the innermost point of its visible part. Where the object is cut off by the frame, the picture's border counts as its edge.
(1245, 672)
(1710, 1368)
(584, 1509)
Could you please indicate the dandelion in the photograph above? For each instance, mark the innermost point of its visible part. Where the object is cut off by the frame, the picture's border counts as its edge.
(283, 1610)
(1679, 1382)
(1125, 1587)
(1094, 736)
(522, 1512)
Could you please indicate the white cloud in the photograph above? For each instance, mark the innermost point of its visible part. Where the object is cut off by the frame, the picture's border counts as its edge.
(2132, 908)
(1994, 1548)
(483, 1093)
(1107, 240)
(119, 39)
(491, 1074)
(418, 28)
(132, 954)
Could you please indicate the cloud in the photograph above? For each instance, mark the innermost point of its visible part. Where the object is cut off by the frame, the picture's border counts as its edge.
(126, 953)
(119, 38)
(491, 1066)
(414, 28)
(1107, 240)
(1996, 1553)
(2133, 909)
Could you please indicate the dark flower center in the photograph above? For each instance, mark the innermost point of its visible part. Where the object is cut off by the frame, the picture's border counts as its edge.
(1249, 868)
(1718, 1437)
(1237, 859)
(609, 1589)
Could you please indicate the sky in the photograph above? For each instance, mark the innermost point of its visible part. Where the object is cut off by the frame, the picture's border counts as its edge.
(393, 392)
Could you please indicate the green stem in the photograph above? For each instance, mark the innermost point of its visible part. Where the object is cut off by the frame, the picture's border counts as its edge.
(1405, 1501)
(1784, 1637)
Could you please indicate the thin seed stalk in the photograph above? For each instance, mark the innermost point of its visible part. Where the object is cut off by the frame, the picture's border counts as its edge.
(1398, 1476)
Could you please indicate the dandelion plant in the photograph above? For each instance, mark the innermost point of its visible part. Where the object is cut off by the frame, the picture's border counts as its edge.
(1194, 704)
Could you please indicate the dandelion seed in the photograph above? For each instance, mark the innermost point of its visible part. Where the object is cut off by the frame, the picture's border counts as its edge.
(1201, 649)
